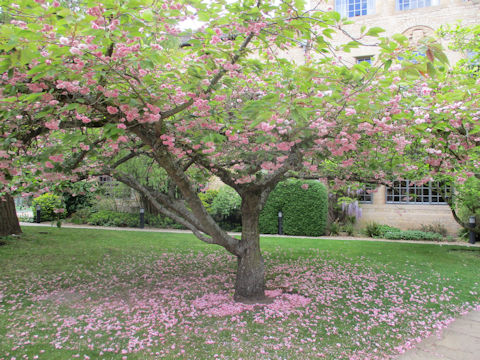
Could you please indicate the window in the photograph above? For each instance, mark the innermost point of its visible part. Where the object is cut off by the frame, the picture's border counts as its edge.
(104, 179)
(351, 8)
(365, 195)
(415, 4)
(406, 192)
(367, 59)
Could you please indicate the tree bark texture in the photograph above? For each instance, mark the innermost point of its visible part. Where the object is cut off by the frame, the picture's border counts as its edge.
(8, 216)
(250, 281)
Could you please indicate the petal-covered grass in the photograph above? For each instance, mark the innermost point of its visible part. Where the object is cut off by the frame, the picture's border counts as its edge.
(97, 294)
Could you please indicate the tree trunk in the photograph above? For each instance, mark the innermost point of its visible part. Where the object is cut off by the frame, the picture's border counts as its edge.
(250, 282)
(8, 216)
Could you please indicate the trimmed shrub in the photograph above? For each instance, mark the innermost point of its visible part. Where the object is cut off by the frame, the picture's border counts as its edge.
(50, 204)
(413, 235)
(304, 210)
(113, 218)
(121, 219)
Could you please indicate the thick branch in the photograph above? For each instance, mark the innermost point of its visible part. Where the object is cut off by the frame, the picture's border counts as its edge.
(180, 215)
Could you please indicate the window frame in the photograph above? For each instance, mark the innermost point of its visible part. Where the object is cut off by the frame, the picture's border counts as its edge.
(364, 58)
(405, 5)
(365, 194)
(402, 191)
(355, 8)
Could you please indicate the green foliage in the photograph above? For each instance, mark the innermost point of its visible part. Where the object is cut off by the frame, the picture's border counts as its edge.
(81, 216)
(333, 228)
(121, 219)
(226, 204)
(376, 230)
(413, 235)
(304, 210)
(77, 196)
(372, 230)
(49, 203)
(468, 199)
(113, 218)
(428, 232)
(207, 198)
(349, 229)
(435, 228)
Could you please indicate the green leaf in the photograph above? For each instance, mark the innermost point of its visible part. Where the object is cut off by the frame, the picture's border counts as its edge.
(11, 99)
(399, 38)
(328, 32)
(431, 69)
(374, 31)
(147, 15)
(387, 65)
(27, 55)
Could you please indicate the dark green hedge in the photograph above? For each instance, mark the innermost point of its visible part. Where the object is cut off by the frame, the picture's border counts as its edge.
(304, 210)
(120, 219)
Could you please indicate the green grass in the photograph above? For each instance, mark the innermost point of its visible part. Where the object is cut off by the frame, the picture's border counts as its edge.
(82, 293)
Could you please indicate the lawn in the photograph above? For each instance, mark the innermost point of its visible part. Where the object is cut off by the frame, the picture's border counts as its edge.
(99, 294)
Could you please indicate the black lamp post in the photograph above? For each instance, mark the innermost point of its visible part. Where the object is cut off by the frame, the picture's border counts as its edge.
(280, 223)
(38, 214)
(471, 233)
(142, 218)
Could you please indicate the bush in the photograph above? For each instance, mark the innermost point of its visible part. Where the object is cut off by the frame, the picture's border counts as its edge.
(51, 207)
(304, 210)
(81, 216)
(333, 228)
(413, 235)
(78, 196)
(113, 218)
(376, 230)
(121, 219)
(348, 228)
(372, 230)
(207, 198)
(226, 204)
(435, 228)
(162, 222)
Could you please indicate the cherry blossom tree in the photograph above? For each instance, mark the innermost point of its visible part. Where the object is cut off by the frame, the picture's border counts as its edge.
(86, 89)
(447, 117)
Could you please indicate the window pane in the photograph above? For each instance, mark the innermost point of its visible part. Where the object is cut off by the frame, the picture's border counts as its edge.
(407, 192)
(414, 4)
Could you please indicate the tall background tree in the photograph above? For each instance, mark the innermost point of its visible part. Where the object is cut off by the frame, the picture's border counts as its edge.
(8, 217)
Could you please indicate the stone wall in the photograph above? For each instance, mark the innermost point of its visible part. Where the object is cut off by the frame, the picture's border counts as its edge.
(406, 216)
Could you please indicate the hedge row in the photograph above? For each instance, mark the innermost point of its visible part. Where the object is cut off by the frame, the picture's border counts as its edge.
(121, 219)
(304, 210)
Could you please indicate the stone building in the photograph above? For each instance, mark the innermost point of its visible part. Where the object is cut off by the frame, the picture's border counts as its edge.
(403, 205)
